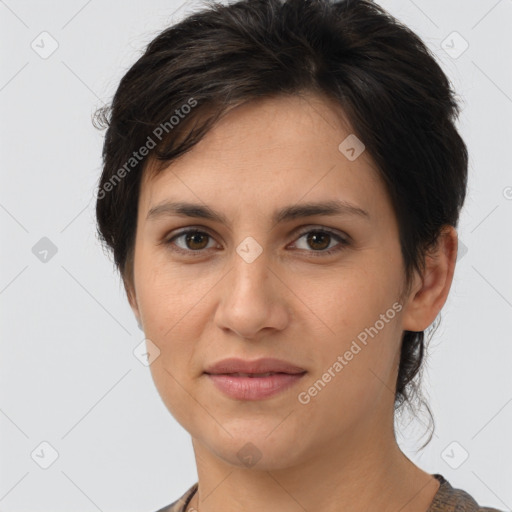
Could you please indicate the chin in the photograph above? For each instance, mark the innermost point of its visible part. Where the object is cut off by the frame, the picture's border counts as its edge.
(258, 451)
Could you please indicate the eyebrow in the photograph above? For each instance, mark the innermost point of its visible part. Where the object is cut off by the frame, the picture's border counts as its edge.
(286, 214)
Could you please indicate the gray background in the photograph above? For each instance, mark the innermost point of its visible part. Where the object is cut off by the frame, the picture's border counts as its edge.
(68, 375)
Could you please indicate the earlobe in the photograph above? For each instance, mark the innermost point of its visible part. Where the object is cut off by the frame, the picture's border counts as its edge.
(429, 296)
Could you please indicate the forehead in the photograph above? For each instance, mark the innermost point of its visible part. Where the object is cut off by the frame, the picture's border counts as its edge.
(274, 149)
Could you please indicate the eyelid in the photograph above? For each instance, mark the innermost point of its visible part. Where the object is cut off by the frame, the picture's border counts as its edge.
(315, 227)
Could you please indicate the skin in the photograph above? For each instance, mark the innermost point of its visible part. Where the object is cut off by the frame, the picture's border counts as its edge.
(339, 448)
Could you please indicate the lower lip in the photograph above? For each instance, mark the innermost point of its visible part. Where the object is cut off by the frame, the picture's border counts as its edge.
(254, 388)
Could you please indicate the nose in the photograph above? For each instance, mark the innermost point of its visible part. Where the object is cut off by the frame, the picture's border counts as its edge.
(253, 299)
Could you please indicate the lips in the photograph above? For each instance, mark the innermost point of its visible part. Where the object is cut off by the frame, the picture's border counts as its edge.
(257, 368)
(238, 387)
(260, 379)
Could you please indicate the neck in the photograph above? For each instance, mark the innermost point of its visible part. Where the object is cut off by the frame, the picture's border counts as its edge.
(360, 471)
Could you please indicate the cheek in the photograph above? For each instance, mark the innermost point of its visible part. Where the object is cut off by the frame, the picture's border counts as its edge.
(169, 322)
(168, 296)
(361, 334)
(354, 379)
(175, 391)
(348, 300)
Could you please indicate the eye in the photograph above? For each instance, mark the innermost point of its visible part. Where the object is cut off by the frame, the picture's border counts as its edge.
(321, 239)
(192, 240)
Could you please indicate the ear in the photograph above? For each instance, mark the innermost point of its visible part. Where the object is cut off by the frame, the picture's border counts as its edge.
(430, 290)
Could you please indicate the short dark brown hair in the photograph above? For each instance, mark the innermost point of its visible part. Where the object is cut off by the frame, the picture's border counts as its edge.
(396, 97)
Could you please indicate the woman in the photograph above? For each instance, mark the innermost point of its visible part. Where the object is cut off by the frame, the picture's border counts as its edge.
(281, 189)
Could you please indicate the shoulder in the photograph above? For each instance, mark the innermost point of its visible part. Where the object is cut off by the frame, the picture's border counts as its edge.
(450, 499)
(181, 503)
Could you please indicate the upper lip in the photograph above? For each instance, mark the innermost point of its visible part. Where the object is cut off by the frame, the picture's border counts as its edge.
(264, 365)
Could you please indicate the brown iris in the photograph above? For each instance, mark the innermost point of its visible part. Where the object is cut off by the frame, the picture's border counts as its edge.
(314, 237)
(194, 238)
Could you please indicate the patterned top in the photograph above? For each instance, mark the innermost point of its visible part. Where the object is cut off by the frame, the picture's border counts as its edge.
(447, 499)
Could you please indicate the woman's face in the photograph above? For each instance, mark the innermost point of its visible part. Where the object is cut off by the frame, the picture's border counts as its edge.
(249, 287)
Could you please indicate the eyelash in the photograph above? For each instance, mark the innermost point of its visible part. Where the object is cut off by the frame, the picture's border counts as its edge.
(343, 242)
